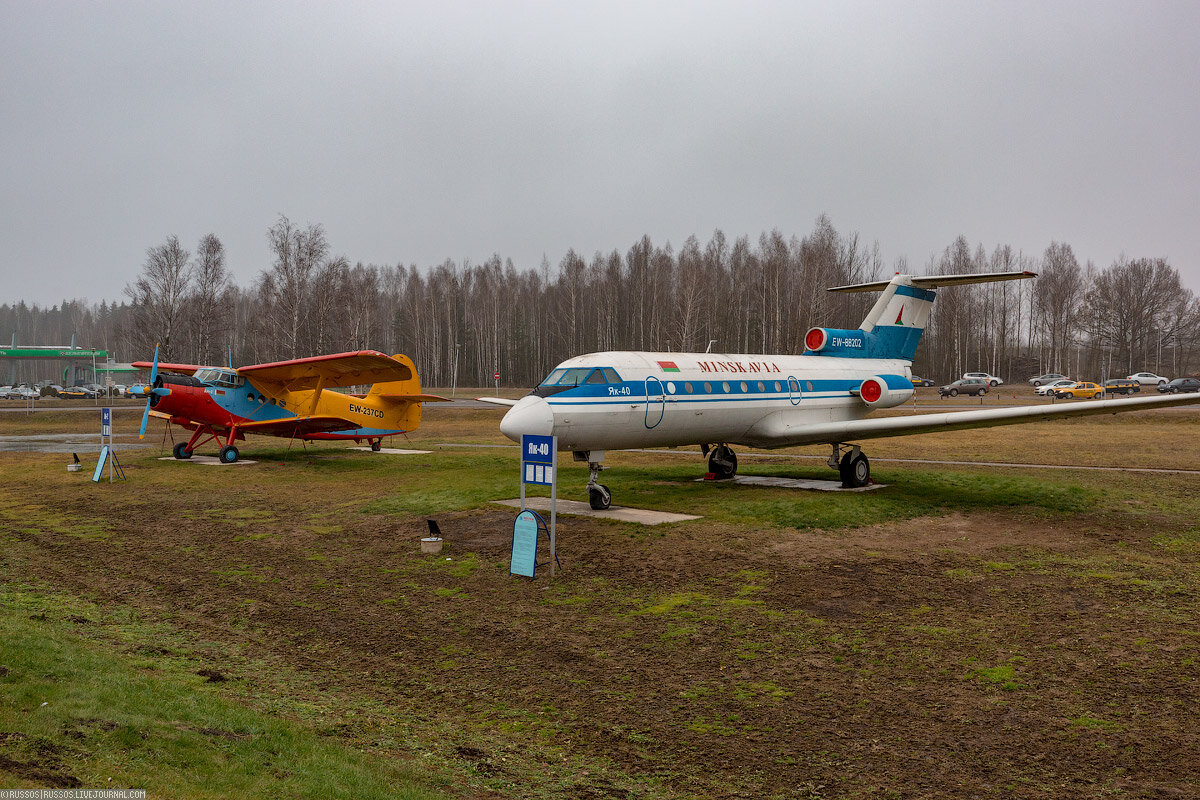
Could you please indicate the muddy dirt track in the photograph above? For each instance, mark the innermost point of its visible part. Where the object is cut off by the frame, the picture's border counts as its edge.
(982, 655)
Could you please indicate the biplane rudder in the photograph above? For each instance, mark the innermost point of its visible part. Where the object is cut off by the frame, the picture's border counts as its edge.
(403, 394)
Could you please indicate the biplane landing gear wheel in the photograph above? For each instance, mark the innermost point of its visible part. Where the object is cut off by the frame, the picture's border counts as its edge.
(722, 462)
(855, 469)
(376, 446)
(599, 498)
(228, 454)
(180, 450)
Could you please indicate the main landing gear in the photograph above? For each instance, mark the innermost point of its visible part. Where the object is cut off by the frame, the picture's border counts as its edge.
(853, 465)
(599, 497)
(228, 454)
(722, 462)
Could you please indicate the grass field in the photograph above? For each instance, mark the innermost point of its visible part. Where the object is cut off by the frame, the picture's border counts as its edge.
(272, 628)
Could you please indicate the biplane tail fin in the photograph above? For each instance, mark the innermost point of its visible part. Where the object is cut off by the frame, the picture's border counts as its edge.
(406, 392)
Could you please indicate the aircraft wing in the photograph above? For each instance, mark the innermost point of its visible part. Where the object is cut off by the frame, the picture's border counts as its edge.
(298, 426)
(183, 369)
(497, 401)
(339, 369)
(791, 428)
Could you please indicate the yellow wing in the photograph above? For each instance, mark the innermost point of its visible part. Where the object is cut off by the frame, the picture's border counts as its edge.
(339, 369)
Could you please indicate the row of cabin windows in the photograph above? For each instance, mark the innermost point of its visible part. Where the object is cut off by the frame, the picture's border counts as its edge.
(726, 387)
(577, 376)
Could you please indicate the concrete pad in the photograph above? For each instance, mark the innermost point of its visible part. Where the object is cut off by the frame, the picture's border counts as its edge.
(392, 451)
(621, 514)
(208, 461)
(795, 483)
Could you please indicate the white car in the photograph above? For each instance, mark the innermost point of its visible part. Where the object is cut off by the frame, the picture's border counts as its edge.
(1148, 379)
(991, 380)
(1049, 388)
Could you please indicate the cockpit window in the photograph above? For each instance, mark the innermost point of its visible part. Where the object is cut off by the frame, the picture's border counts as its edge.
(562, 379)
(219, 377)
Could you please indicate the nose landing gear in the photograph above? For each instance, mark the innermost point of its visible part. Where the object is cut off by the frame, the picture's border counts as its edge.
(599, 497)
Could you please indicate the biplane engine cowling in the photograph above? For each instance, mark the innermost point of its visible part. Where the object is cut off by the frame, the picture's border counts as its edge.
(876, 393)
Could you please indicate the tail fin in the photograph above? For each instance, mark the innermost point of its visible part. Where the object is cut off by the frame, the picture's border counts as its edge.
(406, 391)
(893, 327)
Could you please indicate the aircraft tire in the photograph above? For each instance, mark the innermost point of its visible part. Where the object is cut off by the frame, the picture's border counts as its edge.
(376, 447)
(180, 450)
(855, 472)
(599, 497)
(228, 454)
(722, 462)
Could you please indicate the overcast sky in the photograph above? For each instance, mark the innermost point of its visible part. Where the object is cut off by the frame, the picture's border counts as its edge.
(418, 132)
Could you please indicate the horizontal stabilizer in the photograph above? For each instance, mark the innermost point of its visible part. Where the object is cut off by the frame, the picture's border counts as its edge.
(937, 281)
(419, 398)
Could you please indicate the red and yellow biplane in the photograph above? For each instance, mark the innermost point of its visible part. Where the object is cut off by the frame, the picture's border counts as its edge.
(291, 399)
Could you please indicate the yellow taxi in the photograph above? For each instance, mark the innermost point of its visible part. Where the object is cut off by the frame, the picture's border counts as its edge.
(1081, 389)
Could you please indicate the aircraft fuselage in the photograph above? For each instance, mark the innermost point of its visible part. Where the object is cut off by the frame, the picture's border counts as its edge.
(675, 399)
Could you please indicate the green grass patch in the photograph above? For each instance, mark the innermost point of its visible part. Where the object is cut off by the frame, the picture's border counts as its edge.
(76, 714)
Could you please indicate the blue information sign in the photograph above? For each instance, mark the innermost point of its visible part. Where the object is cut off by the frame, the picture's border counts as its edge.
(106, 422)
(537, 459)
(524, 546)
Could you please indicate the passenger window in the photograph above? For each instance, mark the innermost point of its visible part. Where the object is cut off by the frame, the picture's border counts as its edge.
(707, 387)
(762, 387)
(745, 388)
(725, 387)
(778, 387)
(687, 387)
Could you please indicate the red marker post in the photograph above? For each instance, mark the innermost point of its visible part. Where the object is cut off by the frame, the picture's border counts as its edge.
(496, 375)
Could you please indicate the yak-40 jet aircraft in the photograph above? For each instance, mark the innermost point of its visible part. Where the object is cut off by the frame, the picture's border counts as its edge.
(287, 398)
(622, 400)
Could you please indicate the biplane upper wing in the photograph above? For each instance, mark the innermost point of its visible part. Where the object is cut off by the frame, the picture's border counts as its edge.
(183, 369)
(339, 369)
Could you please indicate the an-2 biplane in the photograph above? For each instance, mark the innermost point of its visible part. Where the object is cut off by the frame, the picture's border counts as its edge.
(287, 398)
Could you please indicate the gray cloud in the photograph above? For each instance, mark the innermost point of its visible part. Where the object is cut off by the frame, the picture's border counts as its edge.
(416, 133)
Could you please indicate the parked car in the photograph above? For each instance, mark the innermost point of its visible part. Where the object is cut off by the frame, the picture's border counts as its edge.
(137, 390)
(990, 380)
(1049, 377)
(971, 386)
(119, 390)
(922, 381)
(1122, 386)
(1180, 385)
(22, 393)
(1148, 379)
(74, 393)
(1049, 388)
(1081, 389)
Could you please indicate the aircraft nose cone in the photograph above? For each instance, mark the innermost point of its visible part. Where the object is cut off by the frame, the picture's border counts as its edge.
(530, 415)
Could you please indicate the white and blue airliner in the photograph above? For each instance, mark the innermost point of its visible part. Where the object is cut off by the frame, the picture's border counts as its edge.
(623, 400)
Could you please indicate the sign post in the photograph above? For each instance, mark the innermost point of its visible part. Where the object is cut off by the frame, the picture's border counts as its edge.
(496, 376)
(539, 466)
(107, 454)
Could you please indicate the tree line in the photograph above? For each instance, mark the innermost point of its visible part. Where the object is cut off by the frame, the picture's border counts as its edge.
(740, 296)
